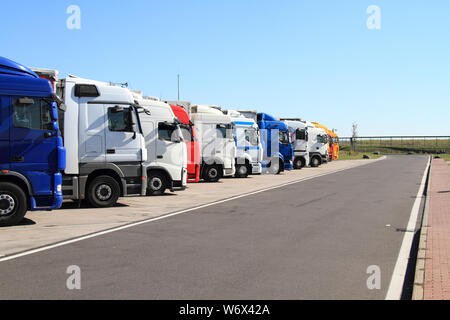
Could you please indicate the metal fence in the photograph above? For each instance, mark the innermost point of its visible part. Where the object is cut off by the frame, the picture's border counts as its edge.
(397, 144)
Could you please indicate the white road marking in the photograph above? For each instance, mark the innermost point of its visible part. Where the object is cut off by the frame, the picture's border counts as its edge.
(134, 224)
(398, 276)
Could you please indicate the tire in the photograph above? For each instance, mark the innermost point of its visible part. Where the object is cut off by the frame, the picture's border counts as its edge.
(299, 163)
(13, 204)
(315, 162)
(242, 171)
(103, 192)
(275, 169)
(212, 173)
(157, 184)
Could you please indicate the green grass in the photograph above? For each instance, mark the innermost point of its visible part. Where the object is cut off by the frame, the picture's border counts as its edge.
(446, 157)
(395, 146)
(350, 155)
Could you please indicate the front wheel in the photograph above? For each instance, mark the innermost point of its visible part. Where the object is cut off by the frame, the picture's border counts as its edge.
(315, 162)
(242, 171)
(212, 174)
(157, 184)
(103, 192)
(299, 163)
(13, 204)
(274, 166)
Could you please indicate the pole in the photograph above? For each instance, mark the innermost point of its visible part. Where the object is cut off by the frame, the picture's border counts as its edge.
(178, 87)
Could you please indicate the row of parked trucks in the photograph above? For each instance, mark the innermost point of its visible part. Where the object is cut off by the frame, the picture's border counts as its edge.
(93, 141)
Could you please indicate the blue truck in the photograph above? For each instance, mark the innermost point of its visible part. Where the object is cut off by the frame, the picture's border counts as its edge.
(31, 148)
(277, 144)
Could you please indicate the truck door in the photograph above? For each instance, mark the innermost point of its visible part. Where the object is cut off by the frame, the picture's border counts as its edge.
(123, 141)
(149, 132)
(4, 133)
(33, 146)
(168, 148)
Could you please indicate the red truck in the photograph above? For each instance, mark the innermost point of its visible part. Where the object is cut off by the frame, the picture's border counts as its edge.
(193, 148)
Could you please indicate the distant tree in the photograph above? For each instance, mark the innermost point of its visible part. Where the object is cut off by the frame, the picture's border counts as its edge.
(354, 135)
(354, 130)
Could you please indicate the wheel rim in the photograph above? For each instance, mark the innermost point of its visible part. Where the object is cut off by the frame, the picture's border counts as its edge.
(103, 192)
(213, 173)
(7, 204)
(156, 184)
(243, 170)
(274, 167)
(299, 163)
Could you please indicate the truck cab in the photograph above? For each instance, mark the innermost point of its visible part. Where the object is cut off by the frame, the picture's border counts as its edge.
(166, 164)
(248, 145)
(333, 142)
(216, 140)
(277, 144)
(181, 111)
(32, 153)
(104, 141)
(318, 145)
(300, 137)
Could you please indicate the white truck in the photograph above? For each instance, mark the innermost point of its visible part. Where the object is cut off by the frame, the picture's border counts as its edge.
(104, 142)
(215, 132)
(248, 145)
(166, 164)
(299, 132)
(310, 143)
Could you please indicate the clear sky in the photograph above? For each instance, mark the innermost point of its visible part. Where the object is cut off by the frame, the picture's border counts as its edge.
(314, 59)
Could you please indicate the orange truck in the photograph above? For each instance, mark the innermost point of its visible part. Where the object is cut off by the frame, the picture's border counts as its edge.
(333, 141)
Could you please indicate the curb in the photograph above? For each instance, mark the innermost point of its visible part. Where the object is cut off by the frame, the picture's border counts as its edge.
(419, 278)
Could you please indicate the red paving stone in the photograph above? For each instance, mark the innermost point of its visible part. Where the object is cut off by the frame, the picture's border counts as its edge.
(437, 263)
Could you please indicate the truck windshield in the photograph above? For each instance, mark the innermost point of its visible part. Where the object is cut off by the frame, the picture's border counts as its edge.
(251, 136)
(34, 114)
(283, 137)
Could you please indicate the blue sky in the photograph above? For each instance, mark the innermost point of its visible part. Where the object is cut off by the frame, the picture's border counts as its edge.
(314, 59)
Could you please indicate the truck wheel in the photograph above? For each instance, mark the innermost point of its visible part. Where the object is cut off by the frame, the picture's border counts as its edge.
(157, 184)
(299, 163)
(315, 162)
(13, 204)
(242, 171)
(212, 173)
(274, 166)
(103, 191)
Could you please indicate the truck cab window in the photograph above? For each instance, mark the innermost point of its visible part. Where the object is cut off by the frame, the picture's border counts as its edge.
(120, 120)
(167, 132)
(35, 114)
(186, 130)
(225, 131)
(301, 134)
(283, 137)
(251, 136)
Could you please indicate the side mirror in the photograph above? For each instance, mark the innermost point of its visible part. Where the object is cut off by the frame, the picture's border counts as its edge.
(62, 107)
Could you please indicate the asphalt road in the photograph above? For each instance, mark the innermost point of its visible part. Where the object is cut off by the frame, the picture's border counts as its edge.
(311, 240)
